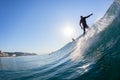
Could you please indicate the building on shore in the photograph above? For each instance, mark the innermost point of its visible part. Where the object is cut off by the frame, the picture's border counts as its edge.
(2, 54)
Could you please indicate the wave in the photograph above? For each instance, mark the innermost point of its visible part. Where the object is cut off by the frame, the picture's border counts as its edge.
(94, 56)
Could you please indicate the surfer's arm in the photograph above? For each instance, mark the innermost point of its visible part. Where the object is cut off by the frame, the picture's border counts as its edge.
(80, 24)
(89, 15)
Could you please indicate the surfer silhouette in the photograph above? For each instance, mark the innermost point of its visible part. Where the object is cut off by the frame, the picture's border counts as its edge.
(83, 22)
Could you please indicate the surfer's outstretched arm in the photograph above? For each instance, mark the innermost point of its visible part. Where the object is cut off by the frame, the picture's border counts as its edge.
(89, 15)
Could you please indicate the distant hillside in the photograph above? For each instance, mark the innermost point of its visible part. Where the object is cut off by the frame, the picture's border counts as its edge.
(15, 54)
(19, 53)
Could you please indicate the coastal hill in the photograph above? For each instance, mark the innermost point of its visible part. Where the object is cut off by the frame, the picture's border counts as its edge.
(15, 54)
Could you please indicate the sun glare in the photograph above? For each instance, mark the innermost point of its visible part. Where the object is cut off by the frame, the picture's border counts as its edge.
(68, 31)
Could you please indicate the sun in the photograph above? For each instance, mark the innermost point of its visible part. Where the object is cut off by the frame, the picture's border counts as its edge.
(68, 31)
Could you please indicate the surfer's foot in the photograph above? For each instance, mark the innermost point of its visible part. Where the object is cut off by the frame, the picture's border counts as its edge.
(83, 34)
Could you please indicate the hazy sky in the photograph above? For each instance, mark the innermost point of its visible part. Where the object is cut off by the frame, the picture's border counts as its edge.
(43, 26)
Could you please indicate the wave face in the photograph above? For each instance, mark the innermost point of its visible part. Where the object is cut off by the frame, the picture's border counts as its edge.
(95, 56)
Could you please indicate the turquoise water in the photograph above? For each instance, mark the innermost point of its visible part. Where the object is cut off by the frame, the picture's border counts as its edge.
(95, 56)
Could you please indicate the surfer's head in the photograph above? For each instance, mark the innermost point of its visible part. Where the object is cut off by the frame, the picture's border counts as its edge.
(81, 16)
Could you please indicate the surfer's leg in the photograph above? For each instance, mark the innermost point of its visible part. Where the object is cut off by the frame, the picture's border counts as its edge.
(83, 30)
(87, 26)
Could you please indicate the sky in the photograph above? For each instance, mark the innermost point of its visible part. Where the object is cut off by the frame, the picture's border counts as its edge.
(44, 26)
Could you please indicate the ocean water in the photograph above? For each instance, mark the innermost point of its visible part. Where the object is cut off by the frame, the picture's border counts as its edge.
(95, 56)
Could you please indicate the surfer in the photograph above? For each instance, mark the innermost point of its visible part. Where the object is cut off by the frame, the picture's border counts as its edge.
(83, 22)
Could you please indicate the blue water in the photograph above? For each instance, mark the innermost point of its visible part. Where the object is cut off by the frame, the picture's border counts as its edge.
(95, 56)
